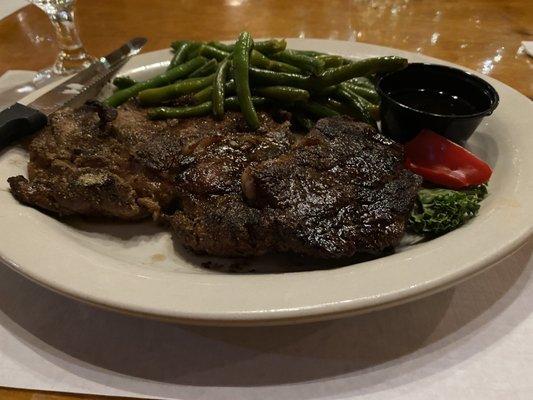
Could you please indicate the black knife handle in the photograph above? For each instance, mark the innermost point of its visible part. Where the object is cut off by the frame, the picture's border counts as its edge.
(18, 121)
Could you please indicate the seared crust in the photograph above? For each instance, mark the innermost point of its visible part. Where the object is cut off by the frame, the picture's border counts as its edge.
(340, 191)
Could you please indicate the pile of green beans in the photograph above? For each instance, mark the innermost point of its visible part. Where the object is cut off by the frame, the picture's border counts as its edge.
(210, 77)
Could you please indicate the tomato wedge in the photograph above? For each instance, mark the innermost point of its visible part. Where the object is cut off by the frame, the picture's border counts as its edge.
(443, 162)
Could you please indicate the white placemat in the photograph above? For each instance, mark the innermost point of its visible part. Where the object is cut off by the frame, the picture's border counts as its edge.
(10, 6)
(528, 46)
(473, 341)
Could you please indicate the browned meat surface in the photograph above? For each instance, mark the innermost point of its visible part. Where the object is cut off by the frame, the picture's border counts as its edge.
(78, 166)
(338, 191)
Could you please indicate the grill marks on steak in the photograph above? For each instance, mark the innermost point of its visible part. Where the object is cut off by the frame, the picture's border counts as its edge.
(78, 166)
(338, 191)
(335, 192)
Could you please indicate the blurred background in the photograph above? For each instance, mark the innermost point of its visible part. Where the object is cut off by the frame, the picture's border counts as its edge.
(484, 35)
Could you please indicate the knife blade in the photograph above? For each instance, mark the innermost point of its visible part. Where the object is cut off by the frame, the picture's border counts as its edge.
(19, 120)
(75, 87)
(14, 94)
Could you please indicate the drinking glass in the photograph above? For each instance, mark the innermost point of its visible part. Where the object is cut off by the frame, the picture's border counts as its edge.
(72, 56)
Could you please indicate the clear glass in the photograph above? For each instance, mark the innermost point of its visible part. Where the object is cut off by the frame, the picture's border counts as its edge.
(72, 56)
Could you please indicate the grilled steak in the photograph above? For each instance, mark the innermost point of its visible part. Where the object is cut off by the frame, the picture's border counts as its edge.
(335, 192)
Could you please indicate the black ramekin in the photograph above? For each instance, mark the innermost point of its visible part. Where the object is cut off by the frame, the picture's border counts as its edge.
(401, 122)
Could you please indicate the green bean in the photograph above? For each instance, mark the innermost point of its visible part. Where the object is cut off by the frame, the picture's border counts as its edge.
(373, 109)
(359, 111)
(206, 69)
(219, 88)
(259, 60)
(194, 50)
(306, 122)
(180, 71)
(331, 60)
(169, 92)
(284, 67)
(305, 63)
(241, 60)
(361, 81)
(194, 45)
(174, 45)
(166, 78)
(334, 76)
(180, 54)
(265, 77)
(180, 112)
(311, 53)
(317, 109)
(222, 46)
(212, 52)
(338, 107)
(206, 94)
(123, 82)
(269, 47)
(266, 47)
(343, 108)
(354, 91)
(369, 94)
(230, 86)
(327, 91)
(231, 103)
(203, 95)
(283, 93)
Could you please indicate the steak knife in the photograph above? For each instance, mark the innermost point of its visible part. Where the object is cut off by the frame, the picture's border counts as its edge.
(20, 120)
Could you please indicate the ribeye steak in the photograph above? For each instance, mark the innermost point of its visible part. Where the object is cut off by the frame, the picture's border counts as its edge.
(337, 191)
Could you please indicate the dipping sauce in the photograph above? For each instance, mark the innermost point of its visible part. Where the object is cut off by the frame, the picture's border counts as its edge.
(433, 101)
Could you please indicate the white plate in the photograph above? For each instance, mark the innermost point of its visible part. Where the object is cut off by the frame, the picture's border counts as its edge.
(136, 268)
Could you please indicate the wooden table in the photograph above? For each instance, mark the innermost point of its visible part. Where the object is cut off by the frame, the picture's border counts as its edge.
(484, 35)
